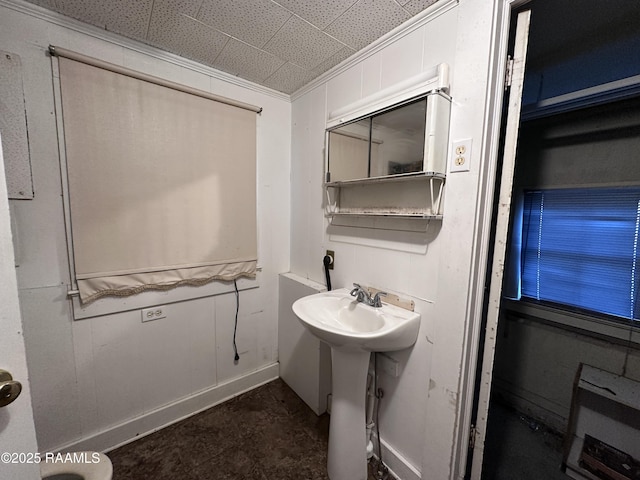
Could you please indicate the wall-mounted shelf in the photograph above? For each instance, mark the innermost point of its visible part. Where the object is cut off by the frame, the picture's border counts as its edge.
(386, 154)
(413, 195)
(403, 177)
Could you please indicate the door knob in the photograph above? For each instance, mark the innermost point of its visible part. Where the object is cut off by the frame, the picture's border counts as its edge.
(9, 388)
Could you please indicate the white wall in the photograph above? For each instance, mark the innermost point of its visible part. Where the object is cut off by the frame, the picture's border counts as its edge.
(112, 373)
(420, 410)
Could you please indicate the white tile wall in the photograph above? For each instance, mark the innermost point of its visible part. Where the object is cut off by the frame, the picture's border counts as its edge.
(344, 89)
(435, 46)
(403, 59)
(371, 74)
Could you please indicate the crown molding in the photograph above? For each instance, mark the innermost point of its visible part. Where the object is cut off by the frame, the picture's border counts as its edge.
(55, 18)
(394, 35)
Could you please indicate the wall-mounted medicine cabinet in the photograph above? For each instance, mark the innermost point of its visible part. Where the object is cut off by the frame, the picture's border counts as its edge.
(405, 139)
(392, 161)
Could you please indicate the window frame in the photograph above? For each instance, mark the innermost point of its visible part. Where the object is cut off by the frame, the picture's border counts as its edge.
(113, 305)
(588, 322)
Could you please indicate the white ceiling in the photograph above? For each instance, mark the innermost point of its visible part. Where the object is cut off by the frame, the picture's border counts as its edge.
(281, 44)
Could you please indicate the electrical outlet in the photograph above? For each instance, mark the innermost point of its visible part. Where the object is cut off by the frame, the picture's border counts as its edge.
(332, 254)
(155, 313)
(460, 155)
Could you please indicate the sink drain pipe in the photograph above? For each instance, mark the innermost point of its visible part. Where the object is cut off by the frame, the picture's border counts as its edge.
(374, 394)
(371, 400)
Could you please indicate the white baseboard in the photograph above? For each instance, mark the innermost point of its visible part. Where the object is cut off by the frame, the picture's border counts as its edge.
(398, 466)
(154, 420)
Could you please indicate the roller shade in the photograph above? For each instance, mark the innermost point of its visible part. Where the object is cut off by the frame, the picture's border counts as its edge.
(162, 184)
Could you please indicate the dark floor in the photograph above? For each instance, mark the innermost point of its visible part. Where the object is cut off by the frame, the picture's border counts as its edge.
(518, 448)
(267, 433)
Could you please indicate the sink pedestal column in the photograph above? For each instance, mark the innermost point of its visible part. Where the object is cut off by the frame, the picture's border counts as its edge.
(347, 457)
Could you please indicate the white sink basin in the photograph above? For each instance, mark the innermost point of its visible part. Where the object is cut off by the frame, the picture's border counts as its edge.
(339, 320)
(352, 330)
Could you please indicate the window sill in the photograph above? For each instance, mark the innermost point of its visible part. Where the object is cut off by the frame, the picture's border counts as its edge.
(586, 324)
(152, 298)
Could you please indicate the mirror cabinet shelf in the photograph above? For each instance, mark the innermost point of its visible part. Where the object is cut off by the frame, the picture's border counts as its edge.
(406, 177)
(390, 163)
(417, 195)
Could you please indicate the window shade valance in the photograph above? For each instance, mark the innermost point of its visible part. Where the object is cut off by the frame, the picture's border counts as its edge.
(162, 184)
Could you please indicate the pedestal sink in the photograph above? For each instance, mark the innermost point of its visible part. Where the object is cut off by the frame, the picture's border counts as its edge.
(353, 330)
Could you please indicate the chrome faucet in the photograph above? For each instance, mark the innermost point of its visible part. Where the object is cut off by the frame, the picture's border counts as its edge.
(362, 296)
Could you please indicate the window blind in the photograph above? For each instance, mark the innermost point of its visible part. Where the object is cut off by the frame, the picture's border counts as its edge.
(580, 248)
(162, 184)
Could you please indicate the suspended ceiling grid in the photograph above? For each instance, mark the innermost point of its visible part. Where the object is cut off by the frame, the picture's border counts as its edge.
(281, 44)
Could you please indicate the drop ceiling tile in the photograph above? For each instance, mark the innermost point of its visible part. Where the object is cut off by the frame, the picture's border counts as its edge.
(50, 4)
(250, 63)
(120, 16)
(332, 61)
(288, 78)
(186, 36)
(303, 44)
(318, 13)
(167, 7)
(252, 21)
(414, 7)
(367, 21)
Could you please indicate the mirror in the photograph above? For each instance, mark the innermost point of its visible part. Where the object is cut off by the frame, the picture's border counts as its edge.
(390, 142)
(349, 151)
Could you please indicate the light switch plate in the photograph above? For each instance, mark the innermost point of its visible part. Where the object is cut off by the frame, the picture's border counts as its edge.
(460, 156)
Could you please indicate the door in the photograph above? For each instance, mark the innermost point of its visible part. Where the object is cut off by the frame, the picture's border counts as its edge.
(17, 431)
(515, 78)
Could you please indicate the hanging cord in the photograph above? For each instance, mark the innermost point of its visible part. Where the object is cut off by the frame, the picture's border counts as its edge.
(382, 472)
(236, 357)
(327, 260)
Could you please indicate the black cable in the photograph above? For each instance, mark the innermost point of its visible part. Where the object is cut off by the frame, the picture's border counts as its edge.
(236, 357)
(327, 261)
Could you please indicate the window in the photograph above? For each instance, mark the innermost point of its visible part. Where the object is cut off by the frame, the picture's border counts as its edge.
(161, 182)
(579, 248)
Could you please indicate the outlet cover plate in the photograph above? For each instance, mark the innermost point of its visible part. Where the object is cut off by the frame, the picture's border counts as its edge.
(460, 156)
(154, 313)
